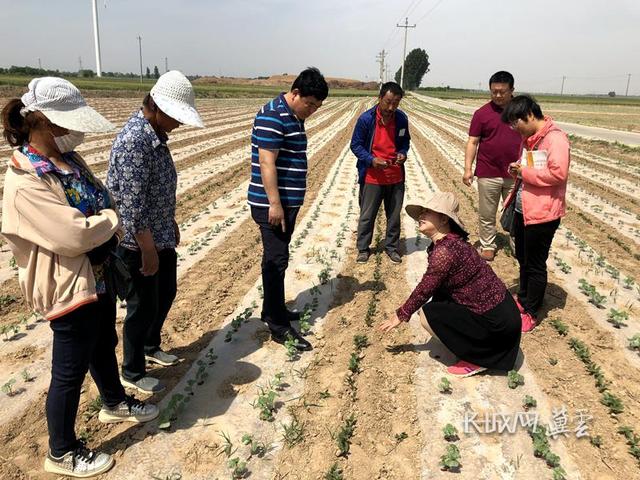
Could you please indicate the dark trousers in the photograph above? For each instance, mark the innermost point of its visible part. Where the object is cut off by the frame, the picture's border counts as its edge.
(149, 300)
(370, 198)
(275, 260)
(533, 243)
(84, 339)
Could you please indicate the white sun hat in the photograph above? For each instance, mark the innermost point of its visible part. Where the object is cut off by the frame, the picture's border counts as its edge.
(173, 93)
(62, 103)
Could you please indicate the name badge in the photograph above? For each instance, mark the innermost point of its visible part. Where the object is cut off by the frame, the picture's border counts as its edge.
(401, 132)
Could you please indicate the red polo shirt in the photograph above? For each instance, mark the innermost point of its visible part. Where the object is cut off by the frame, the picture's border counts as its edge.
(384, 146)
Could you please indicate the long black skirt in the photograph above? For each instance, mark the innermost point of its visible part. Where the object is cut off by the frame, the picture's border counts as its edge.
(490, 340)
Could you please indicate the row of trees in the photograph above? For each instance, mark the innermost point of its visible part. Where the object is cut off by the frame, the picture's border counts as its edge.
(85, 73)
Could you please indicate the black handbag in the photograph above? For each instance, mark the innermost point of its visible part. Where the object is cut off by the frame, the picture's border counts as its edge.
(508, 214)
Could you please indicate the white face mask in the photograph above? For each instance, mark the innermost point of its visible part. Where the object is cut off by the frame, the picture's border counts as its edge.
(69, 142)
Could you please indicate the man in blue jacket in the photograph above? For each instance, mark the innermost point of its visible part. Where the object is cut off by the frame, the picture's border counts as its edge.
(380, 141)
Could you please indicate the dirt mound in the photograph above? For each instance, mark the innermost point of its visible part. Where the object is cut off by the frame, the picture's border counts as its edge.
(284, 80)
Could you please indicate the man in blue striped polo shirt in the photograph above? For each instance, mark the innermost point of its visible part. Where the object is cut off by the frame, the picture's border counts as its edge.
(277, 187)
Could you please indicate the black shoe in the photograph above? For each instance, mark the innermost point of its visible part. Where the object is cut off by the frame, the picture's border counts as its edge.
(363, 257)
(281, 334)
(293, 316)
(394, 257)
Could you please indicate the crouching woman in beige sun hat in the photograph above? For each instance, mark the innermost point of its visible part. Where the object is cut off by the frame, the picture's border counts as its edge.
(467, 307)
(60, 223)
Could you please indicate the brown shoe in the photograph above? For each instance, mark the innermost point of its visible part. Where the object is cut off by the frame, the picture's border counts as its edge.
(488, 255)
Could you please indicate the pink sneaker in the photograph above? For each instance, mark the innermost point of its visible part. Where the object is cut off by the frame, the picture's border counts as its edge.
(464, 369)
(528, 322)
(515, 299)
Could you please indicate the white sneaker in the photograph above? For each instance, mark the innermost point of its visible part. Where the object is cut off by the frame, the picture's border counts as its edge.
(144, 385)
(129, 410)
(79, 463)
(162, 358)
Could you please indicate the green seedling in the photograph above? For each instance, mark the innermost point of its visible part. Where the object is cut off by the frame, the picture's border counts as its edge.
(613, 403)
(451, 459)
(238, 468)
(229, 336)
(529, 402)
(444, 386)
(560, 326)
(552, 361)
(354, 363)
(258, 449)
(617, 318)
(514, 379)
(93, 408)
(293, 432)
(334, 473)
(596, 441)
(343, 438)
(211, 357)
(26, 376)
(559, 473)
(290, 344)
(360, 341)
(401, 437)
(628, 283)
(324, 395)
(265, 403)
(450, 433)
(634, 342)
(7, 388)
(227, 445)
(277, 381)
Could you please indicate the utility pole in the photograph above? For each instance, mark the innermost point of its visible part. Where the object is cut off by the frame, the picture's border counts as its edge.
(80, 63)
(40, 66)
(562, 88)
(406, 26)
(96, 38)
(380, 60)
(140, 48)
(166, 65)
(626, 94)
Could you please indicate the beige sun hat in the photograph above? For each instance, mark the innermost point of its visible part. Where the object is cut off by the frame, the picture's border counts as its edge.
(174, 95)
(62, 103)
(441, 202)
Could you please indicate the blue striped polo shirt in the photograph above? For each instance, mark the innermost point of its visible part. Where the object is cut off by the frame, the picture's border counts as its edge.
(277, 128)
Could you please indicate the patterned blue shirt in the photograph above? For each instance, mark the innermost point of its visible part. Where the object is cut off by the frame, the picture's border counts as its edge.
(277, 128)
(142, 179)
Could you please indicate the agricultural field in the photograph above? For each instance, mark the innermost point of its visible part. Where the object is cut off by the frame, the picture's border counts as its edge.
(361, 405)
(614, 113)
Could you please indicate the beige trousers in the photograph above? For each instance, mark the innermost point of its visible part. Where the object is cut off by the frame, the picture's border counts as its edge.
(490, 191)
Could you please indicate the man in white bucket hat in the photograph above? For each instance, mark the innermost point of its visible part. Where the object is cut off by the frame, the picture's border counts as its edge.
(143, 181)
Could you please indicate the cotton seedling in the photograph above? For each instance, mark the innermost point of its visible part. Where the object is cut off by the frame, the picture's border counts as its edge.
(290, 345)
(514, 379)
(238, 468)
(277, 382)
(400, 437)
(229, 336)
(211, 357)
(444, 386)
(450, 433)
(360, 341)
(7, 388)
(293, 432)
(258, 449)
(528, 402)
(170, 412)
(26, 376)
(343, 437)
(451, 459)
(634, 342)
(613, 403)
(354, 363)
(560, 326)
(628, 283)
(334, 473)
(596, 441)
(265, 403)
(617, 318)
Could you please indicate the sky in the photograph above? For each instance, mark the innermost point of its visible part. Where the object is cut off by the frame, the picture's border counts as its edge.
(594, 44)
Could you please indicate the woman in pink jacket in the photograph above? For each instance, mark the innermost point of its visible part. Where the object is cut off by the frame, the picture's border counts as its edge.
(539, 196)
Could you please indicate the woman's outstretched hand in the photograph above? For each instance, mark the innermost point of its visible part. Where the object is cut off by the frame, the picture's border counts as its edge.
(392, 322)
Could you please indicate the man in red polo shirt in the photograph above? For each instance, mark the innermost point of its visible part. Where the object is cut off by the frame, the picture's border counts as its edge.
(381, 141)
(494, 145)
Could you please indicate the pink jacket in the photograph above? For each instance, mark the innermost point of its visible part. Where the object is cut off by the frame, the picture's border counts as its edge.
(544, 188)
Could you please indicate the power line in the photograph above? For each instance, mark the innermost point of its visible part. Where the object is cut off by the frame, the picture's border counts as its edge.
(430, 10)
(406, 27)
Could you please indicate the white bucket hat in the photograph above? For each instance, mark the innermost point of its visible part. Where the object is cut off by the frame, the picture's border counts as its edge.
(173, 93)
(62, 103)
(440, 202)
